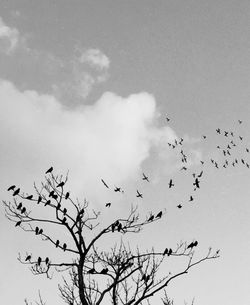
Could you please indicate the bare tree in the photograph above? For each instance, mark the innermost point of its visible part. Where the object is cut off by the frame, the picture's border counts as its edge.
(120, 274)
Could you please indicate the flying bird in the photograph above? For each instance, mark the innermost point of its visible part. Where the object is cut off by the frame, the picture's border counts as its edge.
(145, 177)
(179, 206)
(117, 189)
(139, 195)
(16, 192)
(11, 188)
(105, 184)
(49, 170)
(108, 204)
(170, 184)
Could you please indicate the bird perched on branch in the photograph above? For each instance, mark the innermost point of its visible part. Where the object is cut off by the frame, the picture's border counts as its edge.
(11, 188)
(61, 184)
(16, 192)
(28, 258)
(64, 247)
(49, 170)
(159, 215)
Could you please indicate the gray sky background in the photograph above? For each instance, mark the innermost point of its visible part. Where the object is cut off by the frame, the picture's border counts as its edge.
(86, 87)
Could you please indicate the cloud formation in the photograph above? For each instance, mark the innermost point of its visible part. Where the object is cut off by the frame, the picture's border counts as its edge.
(9, 38)
(95, 58)
(111, 138)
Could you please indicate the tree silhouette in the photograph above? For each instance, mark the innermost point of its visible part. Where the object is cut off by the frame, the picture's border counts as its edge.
(120, 275)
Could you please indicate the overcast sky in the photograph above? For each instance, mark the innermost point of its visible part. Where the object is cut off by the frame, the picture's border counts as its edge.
(86, 86)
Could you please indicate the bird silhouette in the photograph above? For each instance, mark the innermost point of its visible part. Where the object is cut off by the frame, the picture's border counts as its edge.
(165, 251)
(117, 189)
(145, 177)
(105, 184)
(39, 260)
(151, 218)
(47, 202)
(139, 195)
(218, 130)
(159, 215)
(23, 210)
(104, 271)
(108, 204)
(37, 230)
(200, 174)
(40, 231)
(61, 184)
(49, 170)
(191, 198)
(64, 211)
(54, 196)
(11, 188)
(67, 195)
(179, 206)
(19, 206)
(51, 194)
(16, 192)
(39, 199)
(91, 271)
(196, 183)
(18, 223)
(170, 184)
(57, 243)
(64, 220)
(64, 247)
(46, 260)
(28, 258)
(170, 251)
(29, 197)
(58, 206)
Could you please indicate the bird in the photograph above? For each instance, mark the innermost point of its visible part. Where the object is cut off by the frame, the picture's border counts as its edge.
(151, 218)
(54, 196)
(49, 170)
(145, 177)
(61, 184)
(23, 210)
(29, 197)
(57, 243)
(196, 183)
(37, 230)
(119, 227)
(200, 174)
(67, 195)
(91, 271)
(117, 189)
(191, 198)
(19, 206)
(240, 122)
(170, 184)
(108, 204)
(11, 188)
(28, 258)
(16, 192)
(47, 202)
(40, 231)
(46, 260)
(64, 247)
(170, 251)
(179, 206)
(204, 137)
(58, 206)
(39, 260)
(159, 215)
(104, 271)
(64, 220)
(184, 168)
(105, 184)
(165, 251)
(51, 194)
(64, 211)
(241, 138)
(168, 119)
(18, 223)
(39, 199)
(218, 130)
(139, 195)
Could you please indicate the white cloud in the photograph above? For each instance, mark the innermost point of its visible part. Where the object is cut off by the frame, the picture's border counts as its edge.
(109, 139)
(95, 58)
(9, 37)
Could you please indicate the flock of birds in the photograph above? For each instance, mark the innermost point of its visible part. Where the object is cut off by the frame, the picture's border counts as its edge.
(229, 140)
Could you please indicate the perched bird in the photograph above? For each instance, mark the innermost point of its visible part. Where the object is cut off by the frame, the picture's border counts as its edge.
(54, 196)
(58, 206)
(11, 188)
(16, 192)
(64, 247)
(61, 184)
(119, 227)
(28, 258)
(23, 210)
(104, 271)
(40, 231)
(64, 211)
(105, 184)
(51, 194)
(91, 271)
(170, 184)
(145, 177)
(29, 197)
(139, 195)
(108, 204)
(19, 206)
(165, 251)
(39, 260)
(179, 206)
(64, 220)
(151, 218)
(46, 260)
(37, 230)
(159, 215)
(170, 251)
(57, 243)
(39, 199)
(49, 170)
(67, 195)
(47, 202)
(18, 223)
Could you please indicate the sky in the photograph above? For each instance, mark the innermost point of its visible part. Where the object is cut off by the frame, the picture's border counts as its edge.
(86, 86)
